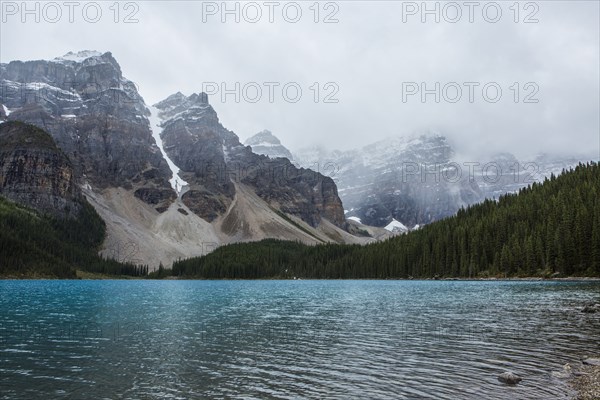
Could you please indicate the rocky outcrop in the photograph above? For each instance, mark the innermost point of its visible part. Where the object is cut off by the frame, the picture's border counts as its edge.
(296, 191)
(509, 378)
(95, 115)
(212, 159)
(34, 172)
(155, 196)
(195, 141)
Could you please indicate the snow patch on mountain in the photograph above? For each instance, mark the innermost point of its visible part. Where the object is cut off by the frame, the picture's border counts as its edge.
(6, 112)
(396, 227)
(156, 126)
(79, 56)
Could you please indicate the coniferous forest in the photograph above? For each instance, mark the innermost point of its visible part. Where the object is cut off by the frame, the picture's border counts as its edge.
(36, 245)
(549, 229)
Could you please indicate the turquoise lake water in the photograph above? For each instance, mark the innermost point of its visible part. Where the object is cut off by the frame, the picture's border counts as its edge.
(291, 339)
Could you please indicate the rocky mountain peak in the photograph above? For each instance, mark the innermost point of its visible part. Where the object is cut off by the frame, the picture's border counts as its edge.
(96, 117)
(175, 159)
(179, 107)
(79, 56)
(180, 101)
(376, 188)
(89, 58)
(214, 163)
(263, 137)
(267, 144)
(199, 98)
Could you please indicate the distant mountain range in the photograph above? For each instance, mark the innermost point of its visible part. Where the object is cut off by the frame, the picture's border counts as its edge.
(403, 183)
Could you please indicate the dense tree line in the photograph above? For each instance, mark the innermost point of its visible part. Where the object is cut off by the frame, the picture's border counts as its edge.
(35, 245)
(545, 229)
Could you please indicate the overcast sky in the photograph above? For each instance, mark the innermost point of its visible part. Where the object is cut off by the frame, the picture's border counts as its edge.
(370, 58)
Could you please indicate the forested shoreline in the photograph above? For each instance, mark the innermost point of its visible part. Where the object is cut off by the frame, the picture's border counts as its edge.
(546, 230)
(35, 245)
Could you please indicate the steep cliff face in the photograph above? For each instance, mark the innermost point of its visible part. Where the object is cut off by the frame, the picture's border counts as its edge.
(212, 160)
(195, 141)
(95, 115)
(35, 172)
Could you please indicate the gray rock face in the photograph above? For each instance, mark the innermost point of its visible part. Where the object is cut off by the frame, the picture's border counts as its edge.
(212, 160)
(95, 115)
(267, 144)
(195, 141)
(99, 120)
(34, 172)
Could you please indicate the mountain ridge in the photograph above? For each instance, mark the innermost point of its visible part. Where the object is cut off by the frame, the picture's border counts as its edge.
(101, 122)
(408, 181)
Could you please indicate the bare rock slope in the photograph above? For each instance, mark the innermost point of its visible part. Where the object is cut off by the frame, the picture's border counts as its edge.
(181, 194)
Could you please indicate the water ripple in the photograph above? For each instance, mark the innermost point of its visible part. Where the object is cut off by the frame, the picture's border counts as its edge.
(288, 340)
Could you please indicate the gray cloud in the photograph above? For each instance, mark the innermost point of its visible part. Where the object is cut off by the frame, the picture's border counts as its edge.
(368, 54)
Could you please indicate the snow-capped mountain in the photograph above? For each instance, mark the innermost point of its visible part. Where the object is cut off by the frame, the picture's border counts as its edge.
(417, 180)
(396, 227)
(395, 182)
(97, 118)
(79, 57)
(169, 179)
(267, 144)
(504, 173)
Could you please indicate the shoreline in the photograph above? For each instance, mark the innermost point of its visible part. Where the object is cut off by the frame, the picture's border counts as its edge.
(83, 275)
(586, 382)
